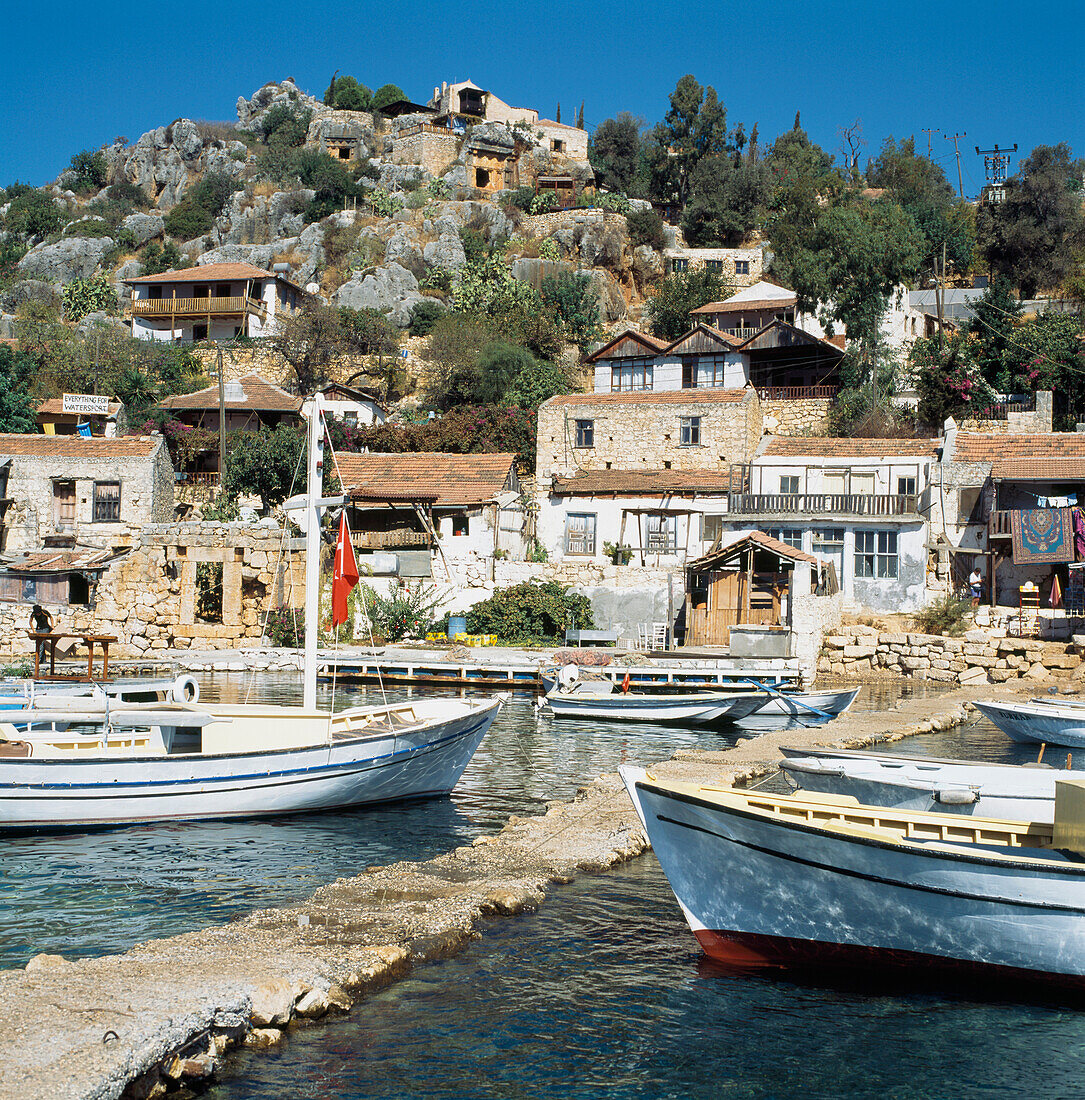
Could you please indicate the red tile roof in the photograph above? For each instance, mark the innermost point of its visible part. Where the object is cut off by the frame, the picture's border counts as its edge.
(445, 480)
(1051, 456)
(755, 538)
(76, 446)
(642, 482)
(260, 396)
(700, 396)
(818, 446)
(209, 273)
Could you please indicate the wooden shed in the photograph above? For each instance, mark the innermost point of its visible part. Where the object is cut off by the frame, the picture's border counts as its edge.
(750, 580)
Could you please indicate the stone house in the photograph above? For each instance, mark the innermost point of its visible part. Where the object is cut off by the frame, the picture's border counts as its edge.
(739, 266)
(983, 479)
(862, 505)
(251, 403)
(212, 302)
(445, 516)
(98, 492)
(353, 406)
(466, 103)
(64, 415)
(639, 469)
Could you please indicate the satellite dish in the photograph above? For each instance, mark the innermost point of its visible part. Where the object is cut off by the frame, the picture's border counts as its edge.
(312, 288)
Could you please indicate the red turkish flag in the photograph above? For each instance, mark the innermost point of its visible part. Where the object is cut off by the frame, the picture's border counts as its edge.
(345, 573)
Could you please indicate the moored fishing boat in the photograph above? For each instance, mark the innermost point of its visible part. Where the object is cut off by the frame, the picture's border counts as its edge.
(602, 700)
(99, 761)
(770, 881)
(1021, 792)
(1038, 721)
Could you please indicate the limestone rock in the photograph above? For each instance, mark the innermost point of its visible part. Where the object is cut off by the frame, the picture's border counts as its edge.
(263, 1037)
(647, 263)
(1037, 672)
(272, 1004)
(445, 253)
(402, 248)
(312, 1005)
(392, 289)
(28, 290)
(972, 676)
(285, 92)
(144, 227)
(45, 963)
(68, 259)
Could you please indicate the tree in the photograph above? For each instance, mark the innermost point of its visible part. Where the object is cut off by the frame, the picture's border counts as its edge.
(453, 350)
(263, 463)
(158, 258)
(727, 197)
(694, 127)
(368, 332)
(499, 366)
(575, 301)
(346, 94)
(424, 315)
(317, 336)
(676, 295)
(1051, 357)
(948, 380)
(285, 125)
(616, 153)
(18, 409)
(991, 335)
(1036, 234)
(385, 95)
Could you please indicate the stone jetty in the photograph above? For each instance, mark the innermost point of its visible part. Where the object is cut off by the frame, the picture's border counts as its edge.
(162, 1016)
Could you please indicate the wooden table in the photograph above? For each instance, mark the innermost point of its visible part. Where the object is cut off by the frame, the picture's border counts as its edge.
(49, 643)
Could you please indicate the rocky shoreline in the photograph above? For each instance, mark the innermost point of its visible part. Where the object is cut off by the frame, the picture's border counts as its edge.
(160, 1017)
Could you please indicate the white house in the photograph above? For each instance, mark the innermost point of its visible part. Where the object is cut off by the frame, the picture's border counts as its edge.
(352, 406)
(212, 302)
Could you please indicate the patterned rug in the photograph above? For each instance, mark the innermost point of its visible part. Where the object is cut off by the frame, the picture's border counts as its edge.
(1042, 535)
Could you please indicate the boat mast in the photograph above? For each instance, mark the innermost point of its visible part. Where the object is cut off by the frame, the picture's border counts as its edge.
(313, 487)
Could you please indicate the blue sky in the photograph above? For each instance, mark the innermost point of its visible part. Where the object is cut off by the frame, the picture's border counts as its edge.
(77, 75)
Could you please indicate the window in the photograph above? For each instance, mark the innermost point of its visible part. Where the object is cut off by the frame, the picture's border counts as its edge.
(789, 484)
(969, 506)
(742, 267)
(704, 371)
(154, 293)
(557, 146)
(580, 533)
(690, 431)
(199, 332)
(660, 534)
(460, 525)
(792, 536)
(201, 291)
(906, 486)
(832, 481)
(107, 501)
(678, 266)
(350, 416)
(711, 528)
(629, 375)
(713, 265)
(585, 433)
(876, 554)
(222, 290)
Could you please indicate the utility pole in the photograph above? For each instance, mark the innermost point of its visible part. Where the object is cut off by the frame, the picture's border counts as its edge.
(929, 151)
(957, 150)
(995, 163)
(222, 421)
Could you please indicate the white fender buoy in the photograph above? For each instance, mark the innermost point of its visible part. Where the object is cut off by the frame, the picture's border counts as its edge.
(186, 689)
(568, 675)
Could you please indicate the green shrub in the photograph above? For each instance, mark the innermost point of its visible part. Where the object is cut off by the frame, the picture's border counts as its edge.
(90, 171)
(284, 125)
(417, 200)
(439, 189)
(125, 192)
(407, 611)
(645, 227)
(544, 202)
(549, 250)
(382, 203)
(618, 553)
(474, 244)
(187, 220)
(158, 258)
(195, 214)
(613, 201)
(947, 615)
(286, 627)
(83, 296)
(531, 613)
(410, 183)
(87, 227)
(424, 316)
(33, 214)
(346, 94)
(436, 281)
(521, 198)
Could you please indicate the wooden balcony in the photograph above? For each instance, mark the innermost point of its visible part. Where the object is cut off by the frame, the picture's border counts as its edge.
(796, 393)
(198, 307)
(998, 526)
(383, 540)
(875, 505)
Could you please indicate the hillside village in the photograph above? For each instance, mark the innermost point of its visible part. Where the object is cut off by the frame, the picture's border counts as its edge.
(704, 382)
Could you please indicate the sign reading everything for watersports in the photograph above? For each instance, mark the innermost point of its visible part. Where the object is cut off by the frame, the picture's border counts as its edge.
(86, 404)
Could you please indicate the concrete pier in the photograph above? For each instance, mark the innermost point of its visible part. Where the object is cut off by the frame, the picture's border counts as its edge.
(166, 1012)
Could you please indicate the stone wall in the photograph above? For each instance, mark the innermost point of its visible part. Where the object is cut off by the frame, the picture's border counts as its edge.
(434, 152)
(543, 225)
(1036, 422)
(801, 416)
(645, 434)
(242, 359)
(979, 657)
(149, 600)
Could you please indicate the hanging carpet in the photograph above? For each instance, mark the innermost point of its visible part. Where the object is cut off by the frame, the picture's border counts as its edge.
(1042, 535)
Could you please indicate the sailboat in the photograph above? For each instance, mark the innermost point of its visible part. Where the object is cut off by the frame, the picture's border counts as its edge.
(79, 763)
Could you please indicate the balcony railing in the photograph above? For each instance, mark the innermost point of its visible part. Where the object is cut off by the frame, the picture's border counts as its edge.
(199, 478)
(796, 393)
(1000, 410)
(198, 307)
(742, 333)
(998, 526)
(381, 540)
(841, 504)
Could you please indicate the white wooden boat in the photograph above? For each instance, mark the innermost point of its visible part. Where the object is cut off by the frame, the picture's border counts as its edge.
(1038, 722)
(771, 881)
(782, 708)
(592, 699)
(80, 762)
(1015, 791)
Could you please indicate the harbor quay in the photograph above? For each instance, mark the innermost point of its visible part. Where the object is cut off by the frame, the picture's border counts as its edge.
(163, 1015)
